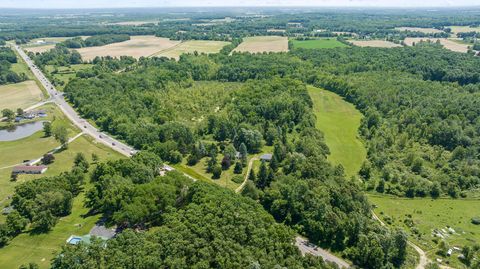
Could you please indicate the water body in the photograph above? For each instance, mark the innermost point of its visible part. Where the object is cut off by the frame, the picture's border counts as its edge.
(21, 131)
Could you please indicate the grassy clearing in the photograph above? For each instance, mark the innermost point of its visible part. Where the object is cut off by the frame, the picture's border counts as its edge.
(137, 47)
(19, 95)
(339, 121)
(256, 44)
(374, 43)
(326, 43)
(63, 74)
(419, 29)
(22, 67)
(200, 46)
(427, 215)
(29, 148)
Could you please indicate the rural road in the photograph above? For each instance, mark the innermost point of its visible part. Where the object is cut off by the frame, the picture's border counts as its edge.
(306, 247)
(58, 98)
(250, 163)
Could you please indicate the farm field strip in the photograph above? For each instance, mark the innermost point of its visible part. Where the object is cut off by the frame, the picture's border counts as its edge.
(420, 29)
(258, 44)
(325, 43)
(374, 43)
(200, 46)
(447, 43)
(463, 29)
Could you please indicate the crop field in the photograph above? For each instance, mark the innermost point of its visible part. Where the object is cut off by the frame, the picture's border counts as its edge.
(49, 43)
(419, 29)
(463, 29)
(19, 95)
(137, 47)
(339, 121)
(326, 43)
(374, 43)
(200, 46)
(135, 23)
(428, 215)
(258, 44)
(447, 43)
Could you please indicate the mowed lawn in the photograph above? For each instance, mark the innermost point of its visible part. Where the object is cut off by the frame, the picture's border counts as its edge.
(339, 121)
(41, 248)
(326, 43)
(429, 214)
(200, 46)
(19, 95)
(256, 44)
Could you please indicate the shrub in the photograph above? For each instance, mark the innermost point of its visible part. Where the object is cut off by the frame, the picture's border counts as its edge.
(476, 220)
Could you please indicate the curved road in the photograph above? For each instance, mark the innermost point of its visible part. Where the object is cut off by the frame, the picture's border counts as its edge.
(58, 98)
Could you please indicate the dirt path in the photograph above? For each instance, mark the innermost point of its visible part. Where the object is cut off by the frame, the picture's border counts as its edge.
(306, 247)
(250, 164)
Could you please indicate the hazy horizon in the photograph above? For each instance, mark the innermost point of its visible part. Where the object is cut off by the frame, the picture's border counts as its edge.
(92, 4)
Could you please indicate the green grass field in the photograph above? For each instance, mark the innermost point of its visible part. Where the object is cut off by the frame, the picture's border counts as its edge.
(20, 95)
(65, 73)
(339, 121)
(325, 43)
(427, 215)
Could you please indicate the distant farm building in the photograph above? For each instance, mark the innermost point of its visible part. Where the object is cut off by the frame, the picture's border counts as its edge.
(26, 169)
(266, 157)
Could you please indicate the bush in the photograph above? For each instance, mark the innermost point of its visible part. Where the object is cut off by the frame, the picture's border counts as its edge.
(237, 179)
(217, 172)
(476, 220)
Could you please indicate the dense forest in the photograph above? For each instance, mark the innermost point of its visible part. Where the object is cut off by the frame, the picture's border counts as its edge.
(7, 58)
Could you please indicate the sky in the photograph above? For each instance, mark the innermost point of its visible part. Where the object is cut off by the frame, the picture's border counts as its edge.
(196, 3)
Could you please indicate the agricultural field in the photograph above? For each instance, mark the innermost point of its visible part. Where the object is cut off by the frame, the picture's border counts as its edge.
(137, 47)
(374, 43)
(20, 95)
(325, 43)
(258, 44)
(463, 29)
(200, 46)
(447, 43)
(135, 23)
(423, 217)
(39, 45)
(419, 29)
(339, 121)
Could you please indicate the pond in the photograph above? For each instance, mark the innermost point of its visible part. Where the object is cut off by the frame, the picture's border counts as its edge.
(20, 131)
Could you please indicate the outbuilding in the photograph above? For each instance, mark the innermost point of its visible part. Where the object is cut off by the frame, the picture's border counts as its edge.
(26, 169)
(266, 157)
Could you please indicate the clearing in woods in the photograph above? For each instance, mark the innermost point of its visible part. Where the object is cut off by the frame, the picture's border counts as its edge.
(447, 43)
(136, 47)
(19, 95)
(423, 217)
(325, 43)
(200, 46)
(339, 121)
(419, 29)
(257, 44)
(374, 43)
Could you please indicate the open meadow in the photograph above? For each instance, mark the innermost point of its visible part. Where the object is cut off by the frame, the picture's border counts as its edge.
(200, 46)
(424, 217)
(324, 43)
(339, 121)
(63, 74)
(419, 29)
(256, 44)
(447, 43)
(374, 43)
(39, 45)
(136, 47)
(19, 95)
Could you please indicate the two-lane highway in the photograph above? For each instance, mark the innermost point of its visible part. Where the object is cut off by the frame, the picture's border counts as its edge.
(58, 98)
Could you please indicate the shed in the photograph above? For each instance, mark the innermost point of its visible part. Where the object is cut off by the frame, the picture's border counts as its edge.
(26, 169)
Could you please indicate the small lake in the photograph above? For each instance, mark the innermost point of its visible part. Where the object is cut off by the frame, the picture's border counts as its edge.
(20, 131)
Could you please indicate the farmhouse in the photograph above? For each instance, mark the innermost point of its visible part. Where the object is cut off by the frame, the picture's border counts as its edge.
(25, 169)
(266, 157)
